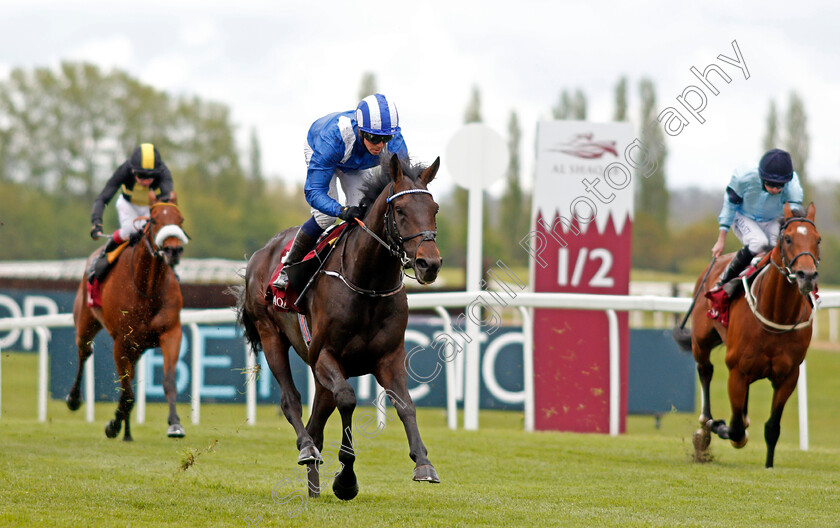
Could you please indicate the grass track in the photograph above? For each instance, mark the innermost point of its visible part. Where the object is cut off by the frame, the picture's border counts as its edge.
(66, 473)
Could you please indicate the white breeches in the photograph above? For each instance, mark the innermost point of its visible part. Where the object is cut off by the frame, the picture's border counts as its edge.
(755, 235)
(128, 214)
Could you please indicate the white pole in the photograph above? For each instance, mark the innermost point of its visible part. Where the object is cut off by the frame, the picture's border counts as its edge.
(310, 397)
(471, 386)
(802, 399)
(615, 370)
(1, 383)
(140, 376)
(451, 394)
(43, 376)
(832, 325)
(380, 409)
(250, 386)
(197, 352)
(90, 390)
(528, 365)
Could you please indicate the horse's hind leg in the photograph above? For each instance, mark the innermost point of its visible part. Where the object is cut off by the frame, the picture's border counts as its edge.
(772, 428)
(170, 346)
(87, 326)
(328, 373)
(125, 371)
(392, 375)
(276, 349)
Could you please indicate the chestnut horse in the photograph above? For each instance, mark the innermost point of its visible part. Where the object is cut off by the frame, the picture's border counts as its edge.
(357, 311)
(768, 335)
(141, 307)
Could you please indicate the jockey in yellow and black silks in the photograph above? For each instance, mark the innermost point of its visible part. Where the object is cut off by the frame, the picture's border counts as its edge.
(144, 171)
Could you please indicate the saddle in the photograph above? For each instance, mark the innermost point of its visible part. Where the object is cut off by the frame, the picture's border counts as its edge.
(301, 273)
(721, 298)
(101, 265)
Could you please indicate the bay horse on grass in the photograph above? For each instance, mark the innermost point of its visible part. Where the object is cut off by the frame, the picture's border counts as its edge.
(769, 341)
(357, 311)
(141, 307)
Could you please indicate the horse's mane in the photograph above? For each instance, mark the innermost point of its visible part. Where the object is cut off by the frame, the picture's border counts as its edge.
(381, 177)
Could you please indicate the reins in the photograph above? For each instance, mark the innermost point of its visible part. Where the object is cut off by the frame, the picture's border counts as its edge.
(786, 272)
(395, 246)
(154, 254)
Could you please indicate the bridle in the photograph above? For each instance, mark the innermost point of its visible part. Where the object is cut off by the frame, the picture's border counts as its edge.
(395, 241)
(395, 245)
(154, 246)
(785, 268)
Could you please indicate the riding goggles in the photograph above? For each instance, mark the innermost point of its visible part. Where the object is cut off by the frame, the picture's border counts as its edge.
(375, 139)
(774, 185)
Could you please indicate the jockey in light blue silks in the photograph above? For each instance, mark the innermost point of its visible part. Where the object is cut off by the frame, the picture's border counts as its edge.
(343, 146)
(753, 206)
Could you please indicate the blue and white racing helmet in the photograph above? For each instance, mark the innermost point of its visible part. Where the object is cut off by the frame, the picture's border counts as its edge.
(376, 115)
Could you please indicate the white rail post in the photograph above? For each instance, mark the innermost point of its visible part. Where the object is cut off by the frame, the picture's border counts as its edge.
(451, 380)
(250, 386)
(90, 390)
(380, 409)
(615, 374)
(197, 353)
(802, 400)
(832, 325)
(43, 374)
(140, 377)
(528, 365)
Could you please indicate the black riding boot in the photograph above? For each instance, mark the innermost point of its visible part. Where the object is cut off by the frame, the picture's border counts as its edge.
(738, 263)
(100, 263)
(302, 245)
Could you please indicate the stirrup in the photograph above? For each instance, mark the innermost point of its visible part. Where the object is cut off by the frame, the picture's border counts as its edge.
(282, 280)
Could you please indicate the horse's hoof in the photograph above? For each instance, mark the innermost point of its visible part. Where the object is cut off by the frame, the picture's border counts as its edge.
(702, 439)
(175, 431)
(345, 492)
(742, 443)
(73, 403)
(128, 439)
(426, 473)
(310, 454)
(110, 430)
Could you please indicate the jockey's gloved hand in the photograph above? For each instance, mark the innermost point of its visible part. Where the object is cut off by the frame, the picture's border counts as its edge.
(349, 213)
(95, 231)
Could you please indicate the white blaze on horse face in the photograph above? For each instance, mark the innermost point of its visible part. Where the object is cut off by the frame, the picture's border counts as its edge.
(802, 230)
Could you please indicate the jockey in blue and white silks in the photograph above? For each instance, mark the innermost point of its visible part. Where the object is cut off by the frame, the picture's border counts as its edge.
(753, 206)
(343, 146)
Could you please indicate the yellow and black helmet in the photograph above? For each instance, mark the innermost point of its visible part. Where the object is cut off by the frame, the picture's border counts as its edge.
(146, 160)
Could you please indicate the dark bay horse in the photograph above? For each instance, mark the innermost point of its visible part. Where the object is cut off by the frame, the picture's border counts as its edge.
(767, 341)
(141, 307)
(357, 311)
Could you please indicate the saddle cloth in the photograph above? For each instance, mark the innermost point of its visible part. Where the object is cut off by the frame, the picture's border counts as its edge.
(719, 299)
(284, 300)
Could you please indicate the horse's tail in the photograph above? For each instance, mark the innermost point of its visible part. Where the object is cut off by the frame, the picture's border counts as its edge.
(252, 337)
(682, 336)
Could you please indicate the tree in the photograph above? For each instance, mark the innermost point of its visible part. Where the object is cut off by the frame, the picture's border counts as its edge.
(796, 139)
(473, 111)
(621, 100)
(368, 86)
(650, 233)
(570, 106)
(515, 216)
(771, 135)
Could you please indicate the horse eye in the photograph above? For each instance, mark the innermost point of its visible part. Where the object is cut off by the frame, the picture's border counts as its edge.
(787, 239)
(398, 209)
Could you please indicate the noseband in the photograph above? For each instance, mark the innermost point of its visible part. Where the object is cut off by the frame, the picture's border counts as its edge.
(785, 268)
(392, 233)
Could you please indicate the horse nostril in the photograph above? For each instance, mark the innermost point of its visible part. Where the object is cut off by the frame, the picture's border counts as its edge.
(421, 264)
(800, 274)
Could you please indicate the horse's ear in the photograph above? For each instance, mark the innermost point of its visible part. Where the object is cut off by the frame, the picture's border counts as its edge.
(429, 174)
(788, 212)
(153, 199)
(396, 169)
(173, 198)
(812, 212)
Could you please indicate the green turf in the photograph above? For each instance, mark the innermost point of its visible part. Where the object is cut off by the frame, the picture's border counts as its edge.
(66, 473)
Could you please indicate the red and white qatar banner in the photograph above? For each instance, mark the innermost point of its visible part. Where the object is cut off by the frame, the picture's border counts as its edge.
(581, 241)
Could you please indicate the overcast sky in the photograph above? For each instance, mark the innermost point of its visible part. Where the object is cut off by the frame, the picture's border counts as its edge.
(280, 65)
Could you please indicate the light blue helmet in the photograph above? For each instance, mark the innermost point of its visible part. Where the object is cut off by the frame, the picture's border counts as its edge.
(376, 115)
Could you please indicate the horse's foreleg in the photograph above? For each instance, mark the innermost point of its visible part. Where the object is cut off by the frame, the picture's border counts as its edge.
(738, 389)
(87, 326)
(170, 346)
(323, 405)
(392, 376)
(328, 373)
(772, 427)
